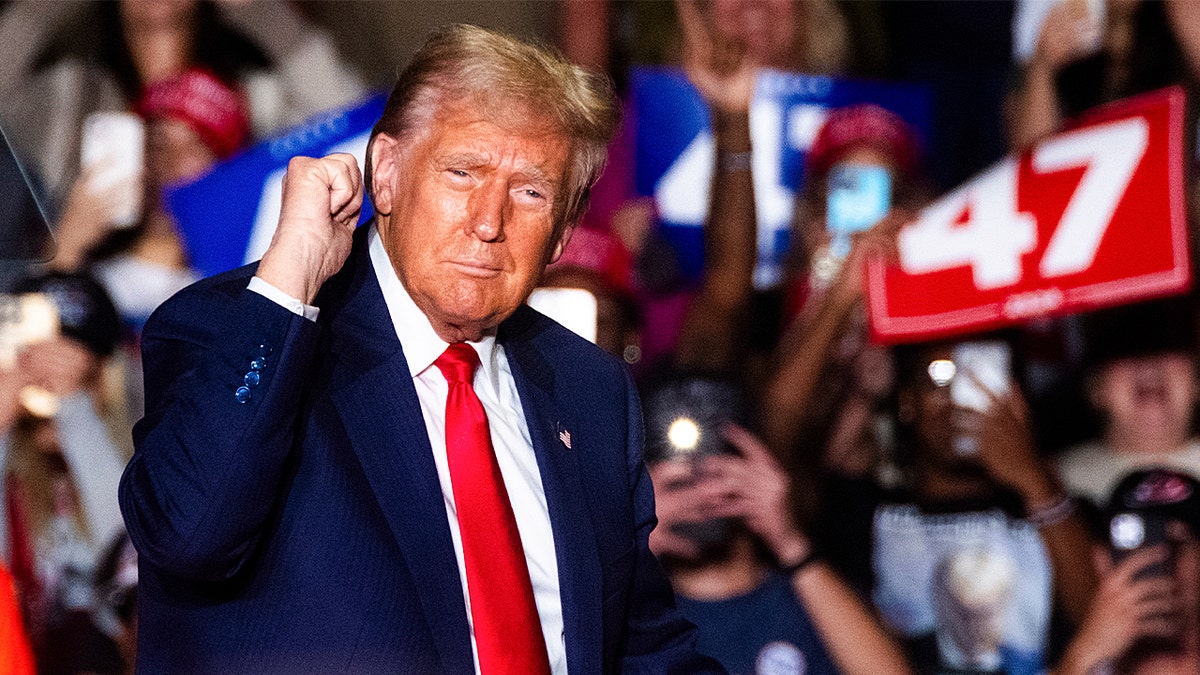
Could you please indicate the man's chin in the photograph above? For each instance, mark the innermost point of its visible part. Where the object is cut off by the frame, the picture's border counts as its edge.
(469, 327)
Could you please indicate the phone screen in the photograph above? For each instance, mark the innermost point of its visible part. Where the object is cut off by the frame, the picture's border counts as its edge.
(1130, 532)
(114, 145)
(980, 368)
(981, 372)
(858, 197)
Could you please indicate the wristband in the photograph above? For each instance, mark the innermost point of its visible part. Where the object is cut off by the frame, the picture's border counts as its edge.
(734, 162)
(791, 570)
(1053, 514)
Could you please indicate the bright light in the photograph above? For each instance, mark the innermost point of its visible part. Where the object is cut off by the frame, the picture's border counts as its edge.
(39, 402)
(1127, 531)
(942, 371)
(684, 434)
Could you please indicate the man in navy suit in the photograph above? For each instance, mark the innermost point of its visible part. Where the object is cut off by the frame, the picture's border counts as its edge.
(299, 498)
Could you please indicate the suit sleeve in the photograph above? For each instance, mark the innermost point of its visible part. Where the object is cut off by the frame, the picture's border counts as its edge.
(658, 639)
(224, 368)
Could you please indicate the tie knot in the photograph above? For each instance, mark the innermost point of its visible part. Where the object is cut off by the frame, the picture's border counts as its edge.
(458, 363)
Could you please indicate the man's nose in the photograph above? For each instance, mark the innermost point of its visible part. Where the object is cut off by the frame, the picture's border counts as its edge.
(488, 210)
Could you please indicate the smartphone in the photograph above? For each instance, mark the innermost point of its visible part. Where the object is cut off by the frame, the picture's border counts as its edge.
(858, 196)
(1130, 532)
(116, 143)
(683, 417)
(982, 371)
(979, 368)
(684, 413)
(574, 308)
(25, 319)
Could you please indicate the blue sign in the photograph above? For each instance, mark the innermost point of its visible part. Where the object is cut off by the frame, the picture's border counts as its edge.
(675, 150)
(227, 216)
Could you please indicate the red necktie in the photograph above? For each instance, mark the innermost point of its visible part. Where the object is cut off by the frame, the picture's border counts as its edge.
(508, 631)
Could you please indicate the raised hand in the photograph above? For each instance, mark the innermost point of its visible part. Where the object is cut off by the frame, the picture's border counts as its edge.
(754, 488)
(61, 366)
(679, 497)
(1126, 608)
(94, 204)
(321, 202)
(1005, 445)
(1069, 32)
(717, 67)
(877, 242)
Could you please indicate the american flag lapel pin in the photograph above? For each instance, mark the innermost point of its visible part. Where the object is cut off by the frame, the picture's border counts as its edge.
(564, 436)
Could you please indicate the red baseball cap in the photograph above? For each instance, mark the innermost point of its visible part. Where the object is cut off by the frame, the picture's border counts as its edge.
(863, 125)
(198, 98)
(601, 253)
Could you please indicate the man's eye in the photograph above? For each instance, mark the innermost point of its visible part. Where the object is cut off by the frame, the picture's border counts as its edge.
(534, 193)
(459, 172)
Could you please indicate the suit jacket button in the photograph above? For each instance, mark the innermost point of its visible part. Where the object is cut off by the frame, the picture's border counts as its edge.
(252, 379)
(242, 394)
(259, 363)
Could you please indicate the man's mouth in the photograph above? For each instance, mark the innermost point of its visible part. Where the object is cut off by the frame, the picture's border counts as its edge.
(474, 268)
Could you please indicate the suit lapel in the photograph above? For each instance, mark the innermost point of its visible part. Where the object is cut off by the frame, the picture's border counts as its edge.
(579, 570)
(375, 396)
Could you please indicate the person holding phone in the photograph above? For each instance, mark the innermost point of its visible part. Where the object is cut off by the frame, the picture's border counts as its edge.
(725, 45)
(65, 61)
(862, 181)
(729, 326)
(763, 600)
(62, 462)
(976, 550)
(1146, 615)
(190, 122)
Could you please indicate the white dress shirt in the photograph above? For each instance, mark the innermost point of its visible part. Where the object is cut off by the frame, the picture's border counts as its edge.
(497, 391)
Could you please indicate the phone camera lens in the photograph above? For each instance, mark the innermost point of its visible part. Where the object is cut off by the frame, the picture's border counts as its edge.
(1128, 531)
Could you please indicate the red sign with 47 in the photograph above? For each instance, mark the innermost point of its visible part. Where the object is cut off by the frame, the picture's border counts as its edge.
(1091, 217)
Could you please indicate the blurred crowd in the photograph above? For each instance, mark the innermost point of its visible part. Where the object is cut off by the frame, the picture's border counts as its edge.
(1019, 502)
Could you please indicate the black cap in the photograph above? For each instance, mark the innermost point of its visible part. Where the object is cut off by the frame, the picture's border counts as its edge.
(85, 312)
(1141, 329)
(1164, 493)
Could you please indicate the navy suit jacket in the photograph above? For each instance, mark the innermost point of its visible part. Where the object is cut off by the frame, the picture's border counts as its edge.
(299, 526)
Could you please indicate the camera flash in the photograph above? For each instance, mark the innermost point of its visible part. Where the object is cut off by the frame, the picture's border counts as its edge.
(684, 434)
(942, 371)
(1128, 531)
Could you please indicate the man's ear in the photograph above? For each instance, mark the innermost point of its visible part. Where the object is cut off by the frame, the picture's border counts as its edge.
(382, 158)
(561, 244)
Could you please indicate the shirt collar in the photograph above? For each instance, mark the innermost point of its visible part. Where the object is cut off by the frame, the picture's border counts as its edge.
(419, 341)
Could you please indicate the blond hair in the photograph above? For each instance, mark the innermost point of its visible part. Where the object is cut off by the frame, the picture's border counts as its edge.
(494, 71)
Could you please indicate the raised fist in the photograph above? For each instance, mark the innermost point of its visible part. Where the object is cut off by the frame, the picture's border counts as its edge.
(321, 202)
